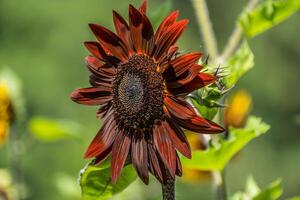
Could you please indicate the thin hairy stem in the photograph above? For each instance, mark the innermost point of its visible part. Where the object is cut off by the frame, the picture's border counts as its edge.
(235, 37)
(205, 26)
(168, 189)
(14, 157)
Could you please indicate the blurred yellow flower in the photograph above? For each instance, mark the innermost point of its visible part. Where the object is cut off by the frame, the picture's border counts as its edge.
(238, 108)
(192, 175)
(5, 113)
(8, 190)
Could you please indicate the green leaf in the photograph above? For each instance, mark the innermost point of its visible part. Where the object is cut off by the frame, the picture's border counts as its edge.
(206, 101)
(206, 112)
(272, 192)
(47, 129)
(267, 15)
(218, 155)
(95, 181)
(251, 187)
(239, 64)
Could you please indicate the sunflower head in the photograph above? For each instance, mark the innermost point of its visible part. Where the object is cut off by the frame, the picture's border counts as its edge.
(141, 85)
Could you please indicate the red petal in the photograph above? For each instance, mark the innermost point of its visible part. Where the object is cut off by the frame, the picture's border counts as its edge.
(199, 125)
(102, 112)
(165, 148)
(98, 67)
(164, 61)
(120, 151)
(103, 156)
(111, 41)
(92, 96)
(214, 128)
(186, 77)
(122, 28)
(166, 23)
(141, 30)
(178, 166)
(179, 108)
(181, 64)
(155, 164)
(95, 81)
(143, 7)
(97, 50)
(199, 81)
(181, 145)
(139, 156)
(168, 38)
(178, 138)
(103, 140)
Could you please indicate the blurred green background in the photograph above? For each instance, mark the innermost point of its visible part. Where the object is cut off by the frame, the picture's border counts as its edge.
(41, 41)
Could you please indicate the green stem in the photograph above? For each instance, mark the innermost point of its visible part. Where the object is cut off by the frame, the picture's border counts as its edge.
(205, 26)
(220, 185)
(235, 37)
(14, 153)
(168, 189)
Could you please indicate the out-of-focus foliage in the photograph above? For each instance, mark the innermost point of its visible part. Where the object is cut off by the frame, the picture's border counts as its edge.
(267, 15)
(160, 13)
(67, 186)
(237, 109)
(96, 184)
(7, 188)
(46, 129)
(239, 64)
(298, 119)
(294, 198)
(220, 152)
(253, 192)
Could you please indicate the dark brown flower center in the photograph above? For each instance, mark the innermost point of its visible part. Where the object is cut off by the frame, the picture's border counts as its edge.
(138, 93)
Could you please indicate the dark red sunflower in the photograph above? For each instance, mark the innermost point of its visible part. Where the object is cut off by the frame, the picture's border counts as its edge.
(141, 86)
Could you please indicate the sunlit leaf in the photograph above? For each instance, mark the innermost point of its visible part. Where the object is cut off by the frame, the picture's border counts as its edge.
(272, 192)
(95, 181)
(253, 192)
(239, 64)
(47, 129)
(218, 155)
(267, 15)
(252, 188)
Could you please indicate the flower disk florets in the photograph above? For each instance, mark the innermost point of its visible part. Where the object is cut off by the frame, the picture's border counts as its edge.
(138, 93)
